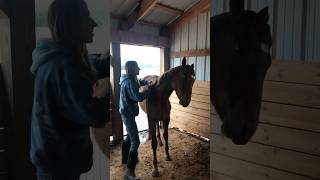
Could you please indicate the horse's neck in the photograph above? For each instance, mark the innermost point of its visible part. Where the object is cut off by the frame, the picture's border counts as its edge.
(164, 89)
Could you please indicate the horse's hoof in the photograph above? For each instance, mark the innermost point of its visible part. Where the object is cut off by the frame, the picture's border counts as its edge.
(155, 173)
(168, 158)
(160, 144)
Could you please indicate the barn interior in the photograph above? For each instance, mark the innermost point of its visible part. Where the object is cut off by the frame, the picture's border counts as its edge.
(180, 29)
(285, 144)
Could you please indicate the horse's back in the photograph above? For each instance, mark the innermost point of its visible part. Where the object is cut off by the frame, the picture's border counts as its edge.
(150, 78)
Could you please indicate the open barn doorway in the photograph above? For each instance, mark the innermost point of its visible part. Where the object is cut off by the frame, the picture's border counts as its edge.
(148, 59)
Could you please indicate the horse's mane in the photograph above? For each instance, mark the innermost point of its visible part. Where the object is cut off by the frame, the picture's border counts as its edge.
(169, 74)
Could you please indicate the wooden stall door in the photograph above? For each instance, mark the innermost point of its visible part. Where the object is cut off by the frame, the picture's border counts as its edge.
(286, 144)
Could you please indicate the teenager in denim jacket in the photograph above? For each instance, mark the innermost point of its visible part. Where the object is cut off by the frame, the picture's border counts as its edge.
(129, 109)
(64, 107)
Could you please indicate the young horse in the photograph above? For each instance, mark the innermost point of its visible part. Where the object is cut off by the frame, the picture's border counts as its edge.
(179, 79)
(240, 51)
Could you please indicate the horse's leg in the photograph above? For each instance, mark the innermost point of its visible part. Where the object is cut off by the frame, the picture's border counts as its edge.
(152, 129)
(165, 136)
(158, 134)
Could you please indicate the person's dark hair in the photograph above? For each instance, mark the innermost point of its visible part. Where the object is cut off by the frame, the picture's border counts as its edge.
(129, 66)
(64, 18)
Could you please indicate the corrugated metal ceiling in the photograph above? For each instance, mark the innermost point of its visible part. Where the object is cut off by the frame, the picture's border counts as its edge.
(123, 8)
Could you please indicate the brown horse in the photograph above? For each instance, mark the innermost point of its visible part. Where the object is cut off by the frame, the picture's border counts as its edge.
(179, 79)
(240, 51)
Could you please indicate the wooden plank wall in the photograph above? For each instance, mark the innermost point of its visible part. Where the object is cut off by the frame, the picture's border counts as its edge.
(193, 36)
(286, 144)
(196, 117)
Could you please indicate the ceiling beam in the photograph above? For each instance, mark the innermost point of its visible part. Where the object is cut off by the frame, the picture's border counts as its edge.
(200, 7)
(129, 37)
(191, 53)
(4, 7)
(142, 10)
(168, 9)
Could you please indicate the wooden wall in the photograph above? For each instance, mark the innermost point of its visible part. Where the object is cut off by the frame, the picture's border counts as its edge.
(196, 117)
(189, 37)
(286, 144)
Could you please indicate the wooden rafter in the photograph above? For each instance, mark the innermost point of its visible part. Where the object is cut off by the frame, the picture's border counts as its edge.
(168, 9)
(191, 53)
(200, 7)
(143, 9)
(129, 37)
(4, 7)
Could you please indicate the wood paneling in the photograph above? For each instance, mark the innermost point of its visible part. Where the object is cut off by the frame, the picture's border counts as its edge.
(196, 117)
(285, 144)
(288, 93)
(219, 176)
(290, 116)
(294, 72)
(282, 159)
(287, 138)
(191, 53)
(249, 171)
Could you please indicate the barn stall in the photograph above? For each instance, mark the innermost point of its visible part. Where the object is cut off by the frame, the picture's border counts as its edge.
(179, 28)
(22, 23)
(286, 142)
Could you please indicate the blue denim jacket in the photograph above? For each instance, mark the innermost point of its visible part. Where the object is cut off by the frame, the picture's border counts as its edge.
(130, 95)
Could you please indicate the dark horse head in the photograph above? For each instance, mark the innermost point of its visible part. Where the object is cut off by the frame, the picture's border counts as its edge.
(182, 82)
(240, 49)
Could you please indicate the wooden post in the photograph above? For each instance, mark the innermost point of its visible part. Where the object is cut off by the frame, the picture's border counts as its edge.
(4, 106)
(164, 60)
(115, 72)
(20, 88)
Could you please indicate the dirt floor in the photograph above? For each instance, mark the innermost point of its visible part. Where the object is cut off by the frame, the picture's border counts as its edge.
(190, 159)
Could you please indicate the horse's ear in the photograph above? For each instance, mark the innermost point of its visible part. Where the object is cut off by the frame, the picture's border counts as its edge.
(184, 61)
(236, 6)
(192, 66)
(264, 15)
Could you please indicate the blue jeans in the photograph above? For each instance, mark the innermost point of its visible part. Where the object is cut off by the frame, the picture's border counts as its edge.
(43, 175)
(131, 141)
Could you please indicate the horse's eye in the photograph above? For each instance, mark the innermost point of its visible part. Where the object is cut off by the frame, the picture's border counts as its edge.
(265, 48)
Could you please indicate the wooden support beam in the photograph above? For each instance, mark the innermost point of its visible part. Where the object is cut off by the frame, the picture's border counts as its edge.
(191, 53)
(143, 9)
(129, 37)
(115, 73)
(19, 87)
(168, 9)
(4, 7)
(201, 7)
